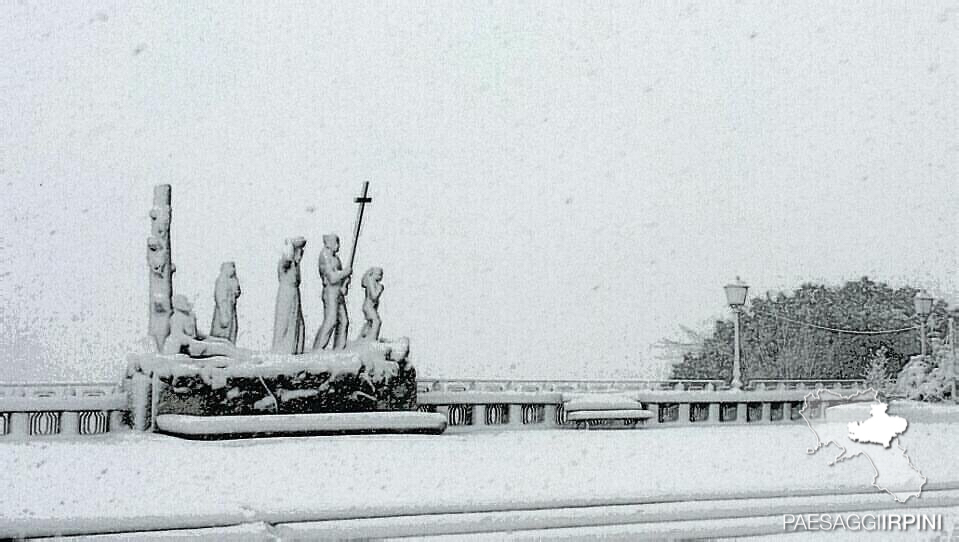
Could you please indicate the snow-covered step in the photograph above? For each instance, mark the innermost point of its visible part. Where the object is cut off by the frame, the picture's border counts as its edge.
(285, 424)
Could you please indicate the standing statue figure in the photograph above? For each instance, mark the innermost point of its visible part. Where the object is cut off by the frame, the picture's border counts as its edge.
(289, 331)
(225, 293)
(185, 338)
(371, 305)
(335, 282)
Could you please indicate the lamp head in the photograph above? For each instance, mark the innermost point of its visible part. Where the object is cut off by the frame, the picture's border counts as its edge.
(736, 293)
(923, 303)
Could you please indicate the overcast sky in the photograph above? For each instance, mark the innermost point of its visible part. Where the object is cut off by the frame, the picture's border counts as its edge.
(556, 186)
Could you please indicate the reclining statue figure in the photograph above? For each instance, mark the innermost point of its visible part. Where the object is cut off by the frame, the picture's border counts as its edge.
(185, 338)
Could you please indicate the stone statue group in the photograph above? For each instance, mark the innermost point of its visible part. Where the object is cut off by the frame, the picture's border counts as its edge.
(173, 322)
(289, 333)
(288, 326)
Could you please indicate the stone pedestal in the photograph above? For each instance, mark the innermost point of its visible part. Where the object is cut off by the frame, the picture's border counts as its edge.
(479, 414)
(116, 420)
(549, 416)
(654, 408)
(138, 387)
(515, 414)
(767, 415)
(714, 413)
(69, 423)
(19, 424)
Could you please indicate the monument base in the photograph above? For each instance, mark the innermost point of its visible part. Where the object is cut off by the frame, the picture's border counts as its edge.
(365, 377)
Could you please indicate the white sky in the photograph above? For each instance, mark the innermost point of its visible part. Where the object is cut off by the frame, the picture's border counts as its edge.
(556, 187)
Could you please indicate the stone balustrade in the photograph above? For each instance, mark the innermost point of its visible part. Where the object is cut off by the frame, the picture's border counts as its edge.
(428, 385)
(475, 404)
(28, 410)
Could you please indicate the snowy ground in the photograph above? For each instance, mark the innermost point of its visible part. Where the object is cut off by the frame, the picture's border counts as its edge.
(137, 481)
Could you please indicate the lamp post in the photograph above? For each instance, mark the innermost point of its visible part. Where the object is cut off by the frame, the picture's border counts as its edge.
(952, 346)
(923, 303)
(736, 297)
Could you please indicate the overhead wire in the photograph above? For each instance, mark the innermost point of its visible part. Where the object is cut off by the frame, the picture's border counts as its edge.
(837, 329)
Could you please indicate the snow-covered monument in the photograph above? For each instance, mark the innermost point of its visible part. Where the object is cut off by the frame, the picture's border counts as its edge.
(202, 384)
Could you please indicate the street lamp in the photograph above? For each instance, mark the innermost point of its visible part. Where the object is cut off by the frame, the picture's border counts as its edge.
(923, 309)
(736, 297)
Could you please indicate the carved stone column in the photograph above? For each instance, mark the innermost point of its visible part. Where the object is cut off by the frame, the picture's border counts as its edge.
(161, 266)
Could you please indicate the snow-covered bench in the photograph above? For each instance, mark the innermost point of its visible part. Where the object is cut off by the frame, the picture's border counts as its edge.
(602, 409)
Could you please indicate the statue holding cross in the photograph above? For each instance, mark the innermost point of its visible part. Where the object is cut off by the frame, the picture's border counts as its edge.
(336, 282)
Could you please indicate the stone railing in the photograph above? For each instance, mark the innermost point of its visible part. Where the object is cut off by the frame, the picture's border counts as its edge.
(469, 404)
(474, 404)
(805, 384)
(428, 385)
(28, 410)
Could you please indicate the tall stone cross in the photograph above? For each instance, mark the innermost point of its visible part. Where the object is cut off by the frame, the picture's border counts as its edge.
(362, 200)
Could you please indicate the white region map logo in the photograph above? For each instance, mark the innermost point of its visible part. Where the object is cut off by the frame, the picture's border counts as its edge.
(876, 438)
